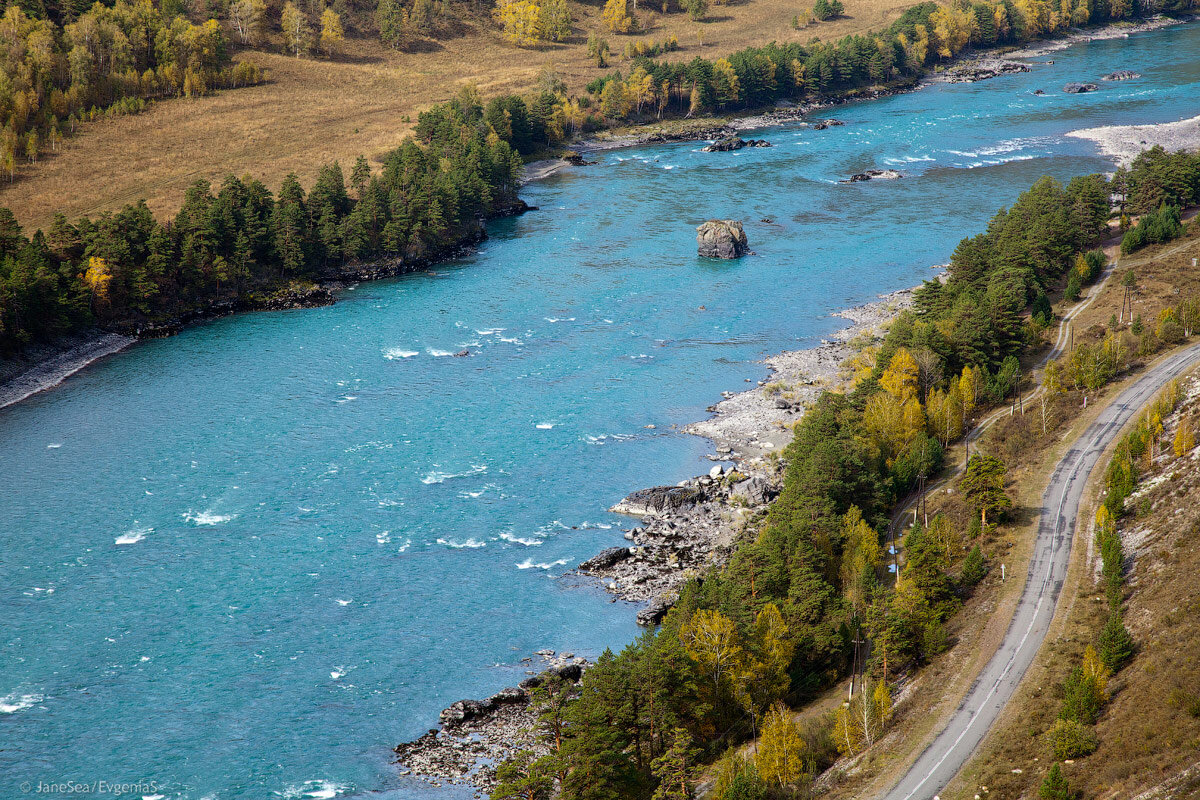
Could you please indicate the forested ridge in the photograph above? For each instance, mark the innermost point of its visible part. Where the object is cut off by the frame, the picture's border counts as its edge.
(126, 271)
(776, 624)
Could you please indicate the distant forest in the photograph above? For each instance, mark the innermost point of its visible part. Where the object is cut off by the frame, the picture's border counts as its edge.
(65, 61)
(126, 271)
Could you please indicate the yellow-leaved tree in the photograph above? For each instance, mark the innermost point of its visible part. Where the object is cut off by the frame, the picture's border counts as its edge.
(780, 758)
(861, 557)
(97, 277)
(297, 34)
(711, 640)
(332, 34)
(520, 20)
(861, 722)
(1185, 438)
(893, 423)
(725, 82)
(554, 24)
(617, 18)
(945, 414)
(902, 376)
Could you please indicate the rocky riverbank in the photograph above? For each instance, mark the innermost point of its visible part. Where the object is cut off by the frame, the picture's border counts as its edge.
(46, 366)
(684, 531)
(1123, 143)
(476, 735)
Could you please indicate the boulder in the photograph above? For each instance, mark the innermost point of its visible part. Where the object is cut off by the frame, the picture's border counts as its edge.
(973, 73)
(875, 174)
(656, 610)
(464, 710)
(733, 143)
(719, 238)
(568, 672)
(755, 491)
(509, 695)
(1121, 75)
(1080, 88)
(605, 559)
(575, 159)
(658, 499)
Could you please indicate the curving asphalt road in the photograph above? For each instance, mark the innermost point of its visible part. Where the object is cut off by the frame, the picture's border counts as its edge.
(955, 745)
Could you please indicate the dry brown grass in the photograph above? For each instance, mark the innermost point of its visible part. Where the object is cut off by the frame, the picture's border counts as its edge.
(314, 110)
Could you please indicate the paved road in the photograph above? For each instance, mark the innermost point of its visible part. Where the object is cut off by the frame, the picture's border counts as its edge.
(942, 760)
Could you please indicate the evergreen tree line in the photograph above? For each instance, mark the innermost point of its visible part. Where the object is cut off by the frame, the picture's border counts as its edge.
(777, 623)
(107, 58)
(125, 271)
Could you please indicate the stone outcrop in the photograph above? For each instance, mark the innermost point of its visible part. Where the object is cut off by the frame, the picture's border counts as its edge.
(1080, 88)
(875, 175)
(605, 559)
(575, 159)
(722, 238)
(657, 500)
(734, 143)
(970, 73)
(826, 123)
(1121, 75)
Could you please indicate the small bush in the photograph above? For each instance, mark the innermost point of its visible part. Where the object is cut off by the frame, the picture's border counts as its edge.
(1071, 739)
(1186, 701)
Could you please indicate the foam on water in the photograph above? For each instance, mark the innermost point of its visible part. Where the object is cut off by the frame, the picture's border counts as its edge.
(528, 542)
(12, 703)
(469, 544)
(544, 426)
(392, 353)
(207, 518)
(133, 535)
(438, 353)
(529, 563)
(441, 477)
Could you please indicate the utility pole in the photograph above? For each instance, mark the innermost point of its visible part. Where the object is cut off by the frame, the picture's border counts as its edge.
(857, 640)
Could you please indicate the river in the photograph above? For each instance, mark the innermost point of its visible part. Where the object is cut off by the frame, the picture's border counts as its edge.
(246, 561)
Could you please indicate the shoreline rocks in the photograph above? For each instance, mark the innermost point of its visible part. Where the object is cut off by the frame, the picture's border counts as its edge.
(721, 238)
(1080, 88)
(971, 73)
(476, 735)
(875, 175)
(1121, 75)
(730, 143)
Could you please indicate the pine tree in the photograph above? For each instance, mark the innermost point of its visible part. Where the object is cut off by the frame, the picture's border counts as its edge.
(1054, 786)
(524, 776)
(1116, 645)
(673, 768)
(984, 485)
(973, 569)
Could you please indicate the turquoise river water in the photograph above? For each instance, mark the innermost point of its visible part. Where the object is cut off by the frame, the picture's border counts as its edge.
(246, 561)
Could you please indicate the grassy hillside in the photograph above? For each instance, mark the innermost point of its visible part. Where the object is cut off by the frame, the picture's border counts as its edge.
(1149, 732)
(316, 110)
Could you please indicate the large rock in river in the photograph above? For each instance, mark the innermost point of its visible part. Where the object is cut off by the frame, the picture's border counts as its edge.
(721, 238)
(644, 502)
